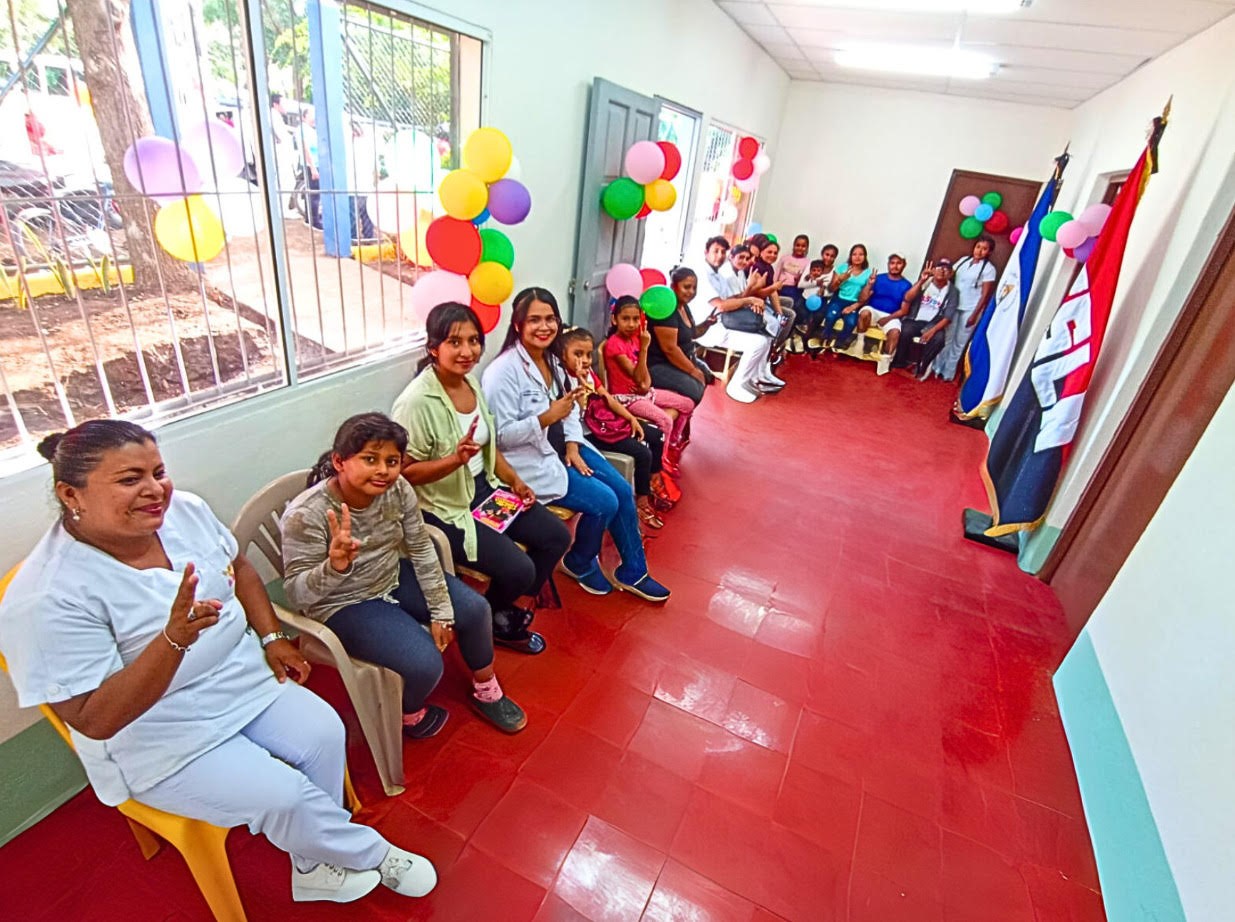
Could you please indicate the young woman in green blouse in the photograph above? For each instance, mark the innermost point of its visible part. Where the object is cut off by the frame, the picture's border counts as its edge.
(454, 464)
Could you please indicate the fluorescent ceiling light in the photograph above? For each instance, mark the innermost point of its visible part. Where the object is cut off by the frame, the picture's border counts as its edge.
(919, 60)
(987, 7)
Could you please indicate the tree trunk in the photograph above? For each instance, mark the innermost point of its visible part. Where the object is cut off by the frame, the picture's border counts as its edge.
(117, 92)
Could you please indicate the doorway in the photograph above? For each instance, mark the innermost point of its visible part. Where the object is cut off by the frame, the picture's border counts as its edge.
(664, 239)
(1019, 197)
(1191, 375)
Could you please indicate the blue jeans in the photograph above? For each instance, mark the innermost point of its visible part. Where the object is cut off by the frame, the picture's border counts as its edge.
(389, 634)
(849, 320)
(604, 501)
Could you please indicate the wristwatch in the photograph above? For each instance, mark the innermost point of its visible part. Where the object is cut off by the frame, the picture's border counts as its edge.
(272, 637)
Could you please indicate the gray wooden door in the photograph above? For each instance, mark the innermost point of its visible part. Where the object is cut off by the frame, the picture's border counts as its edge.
(617, 118)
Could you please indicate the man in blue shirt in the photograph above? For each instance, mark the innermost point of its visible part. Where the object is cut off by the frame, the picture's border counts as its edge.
(882, 299)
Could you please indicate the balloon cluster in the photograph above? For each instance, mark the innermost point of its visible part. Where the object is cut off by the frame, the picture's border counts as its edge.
(982, 214)
(646, 187)
(186, 225)
(1078, 236)
(648, 285)
(750, 165)
(474, 263)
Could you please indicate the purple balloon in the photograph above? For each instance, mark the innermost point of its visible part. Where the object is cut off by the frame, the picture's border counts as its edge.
(509, 201)
(1085, 249)
(161, 170)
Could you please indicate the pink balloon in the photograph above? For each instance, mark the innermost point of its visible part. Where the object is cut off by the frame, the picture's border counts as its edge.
(438, 287)
(1071, 234)
(969, 204)
(1085, 250)
(747, 185)
(1016, 234)
(645, 161)
(161, 169)
(1094, 218)
(624, 279)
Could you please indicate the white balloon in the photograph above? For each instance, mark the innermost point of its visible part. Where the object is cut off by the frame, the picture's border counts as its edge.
(762, 162)
(727, 213)
(747, 185)
(396, 208)
(239, 206)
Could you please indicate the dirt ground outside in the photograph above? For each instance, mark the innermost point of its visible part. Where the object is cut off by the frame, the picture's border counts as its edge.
(227, 334)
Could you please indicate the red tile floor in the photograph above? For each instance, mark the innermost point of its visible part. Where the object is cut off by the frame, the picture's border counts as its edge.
(844, 713)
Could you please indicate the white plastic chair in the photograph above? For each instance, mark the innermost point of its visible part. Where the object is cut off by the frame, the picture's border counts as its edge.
(375, 692)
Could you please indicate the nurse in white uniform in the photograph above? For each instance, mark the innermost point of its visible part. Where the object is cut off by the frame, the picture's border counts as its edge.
(138, 621)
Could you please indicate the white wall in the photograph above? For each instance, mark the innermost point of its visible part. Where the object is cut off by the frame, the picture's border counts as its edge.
(865, 165)
(545, 56)
(1164, 637)
(1179, 219)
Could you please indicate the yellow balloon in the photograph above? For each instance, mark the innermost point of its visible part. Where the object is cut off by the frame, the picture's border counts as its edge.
(487, 153)
(491, 283)
(464, 194)
(736, 194)
(659, 195)
(189, 230)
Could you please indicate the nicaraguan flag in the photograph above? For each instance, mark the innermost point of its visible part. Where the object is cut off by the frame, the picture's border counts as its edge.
(989, 357)
(1029, 450)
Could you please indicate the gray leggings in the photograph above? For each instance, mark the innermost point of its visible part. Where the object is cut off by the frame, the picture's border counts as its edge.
(672, 378)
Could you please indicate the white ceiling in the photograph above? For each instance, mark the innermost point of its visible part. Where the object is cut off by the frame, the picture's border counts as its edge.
(1055, 52)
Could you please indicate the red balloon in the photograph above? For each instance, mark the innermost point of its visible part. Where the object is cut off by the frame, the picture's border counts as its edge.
(1069, 252)
(747, 148)
(743, 169)
(644, 212)
(652, 277)
(673, 159)
(487, 314)
(998, 222)
(453, 244)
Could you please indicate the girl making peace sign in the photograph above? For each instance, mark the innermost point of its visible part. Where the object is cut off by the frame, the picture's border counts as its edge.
(357, 556)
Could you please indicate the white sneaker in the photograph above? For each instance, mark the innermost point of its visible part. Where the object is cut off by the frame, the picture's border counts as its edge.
(768, 378)
(740, 393)
(406, 873)
(332, 883)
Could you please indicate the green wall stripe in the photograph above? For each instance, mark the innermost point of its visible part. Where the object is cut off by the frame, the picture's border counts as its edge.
(1137, 883)
(40, 773)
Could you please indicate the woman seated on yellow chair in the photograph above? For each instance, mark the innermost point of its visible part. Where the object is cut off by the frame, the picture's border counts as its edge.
(139, 622)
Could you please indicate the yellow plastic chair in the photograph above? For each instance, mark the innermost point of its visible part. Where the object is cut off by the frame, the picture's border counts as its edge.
(376, 693)
(201, 844)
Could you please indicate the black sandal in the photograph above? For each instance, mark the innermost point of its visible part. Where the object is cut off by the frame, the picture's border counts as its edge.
(522, 641)
(433, 721)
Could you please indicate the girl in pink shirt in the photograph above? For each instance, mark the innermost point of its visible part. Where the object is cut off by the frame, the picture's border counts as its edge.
(625, 353)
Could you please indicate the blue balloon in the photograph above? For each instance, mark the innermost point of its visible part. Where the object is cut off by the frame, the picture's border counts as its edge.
(481, 218)
(813, 303)
(983, 212)
(754, 228)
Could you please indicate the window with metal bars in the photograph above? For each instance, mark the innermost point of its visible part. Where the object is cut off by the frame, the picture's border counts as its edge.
(321, 198)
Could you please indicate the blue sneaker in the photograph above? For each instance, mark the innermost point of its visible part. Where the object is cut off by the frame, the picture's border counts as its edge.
(646, 588)
(592, 579)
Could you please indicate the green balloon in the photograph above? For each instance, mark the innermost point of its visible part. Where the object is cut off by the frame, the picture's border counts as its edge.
(659, 302)
(1052, 222)
(622, 199)
(971, 227)
(495, 247)
(994, 199)
(772, 239)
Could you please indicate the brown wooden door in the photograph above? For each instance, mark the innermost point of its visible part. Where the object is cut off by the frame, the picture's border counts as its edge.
(1019, 197)
(1193, 372)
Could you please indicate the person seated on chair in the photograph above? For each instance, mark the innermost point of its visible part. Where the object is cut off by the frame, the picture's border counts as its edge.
(848, 285)
(609, 426)
(887, 291)
(811, 335)
(625, 354)
(927, 310)
(455, 465)
(539, 432)
(736, 269)
(741, 326)
(357, 557)
(137, 619)
(780, 316)
(671, 351)
(791, 268)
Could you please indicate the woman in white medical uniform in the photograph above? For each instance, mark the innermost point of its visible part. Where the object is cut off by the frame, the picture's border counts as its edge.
(138, 621)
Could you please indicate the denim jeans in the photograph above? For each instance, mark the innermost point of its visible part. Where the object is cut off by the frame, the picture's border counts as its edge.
(849, 320)
(604, 501)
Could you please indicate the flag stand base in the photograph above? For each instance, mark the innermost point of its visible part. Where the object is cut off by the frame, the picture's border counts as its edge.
(976, 523)
(976, 423)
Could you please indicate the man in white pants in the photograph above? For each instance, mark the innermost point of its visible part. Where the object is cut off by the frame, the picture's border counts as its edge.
(716, 296)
